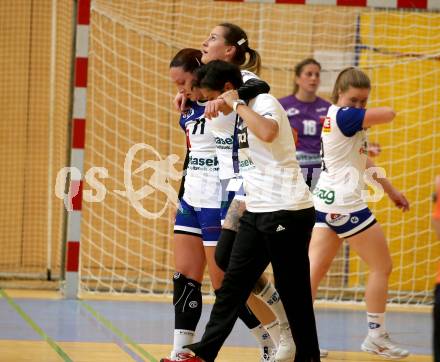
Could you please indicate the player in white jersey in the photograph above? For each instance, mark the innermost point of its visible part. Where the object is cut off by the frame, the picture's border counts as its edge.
(199, 213)
(230, 43)
(223, 127)
(275, 227)
(342, 212)
(197, 225)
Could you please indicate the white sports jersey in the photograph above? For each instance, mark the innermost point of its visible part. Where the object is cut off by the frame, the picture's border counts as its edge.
(222, 128)
(246, 75)
(202, 184)
(344, 157)
(272, 177)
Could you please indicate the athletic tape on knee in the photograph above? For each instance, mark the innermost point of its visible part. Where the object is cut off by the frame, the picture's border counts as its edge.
(187, 300)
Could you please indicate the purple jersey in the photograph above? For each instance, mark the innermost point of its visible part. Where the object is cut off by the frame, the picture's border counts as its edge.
(306, 119)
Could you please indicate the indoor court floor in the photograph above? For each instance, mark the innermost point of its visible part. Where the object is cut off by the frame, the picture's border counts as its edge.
(42, 326)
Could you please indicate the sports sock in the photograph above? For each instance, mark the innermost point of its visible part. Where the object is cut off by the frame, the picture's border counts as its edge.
(263, 337)
(376, 324)
(273, 329)
(271, 297)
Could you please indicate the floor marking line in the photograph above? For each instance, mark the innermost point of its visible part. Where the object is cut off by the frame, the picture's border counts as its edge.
(113, 337)
(36, 327)
(128, 340)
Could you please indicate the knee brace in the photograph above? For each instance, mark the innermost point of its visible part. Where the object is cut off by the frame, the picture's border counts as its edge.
(224, 248)
(187, 300)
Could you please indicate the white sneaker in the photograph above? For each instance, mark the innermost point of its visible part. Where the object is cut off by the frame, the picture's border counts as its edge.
(286, 348)
(268, 354)
(323, 353)
(384, 347)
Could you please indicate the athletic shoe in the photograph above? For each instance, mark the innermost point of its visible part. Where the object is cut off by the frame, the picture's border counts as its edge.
(286, 348)
(182, 356)
(384, 347)
(323, 353)
(268, 354)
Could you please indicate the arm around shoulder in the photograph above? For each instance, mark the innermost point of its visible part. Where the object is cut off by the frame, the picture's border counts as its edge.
(378, 115)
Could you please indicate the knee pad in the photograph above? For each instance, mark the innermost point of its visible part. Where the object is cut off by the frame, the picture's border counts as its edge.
(224, 248)
(187, 300)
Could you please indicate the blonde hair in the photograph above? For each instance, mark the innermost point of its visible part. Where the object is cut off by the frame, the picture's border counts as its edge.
(349, 77)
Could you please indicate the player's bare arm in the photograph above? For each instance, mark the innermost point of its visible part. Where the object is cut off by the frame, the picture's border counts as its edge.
(395, 195)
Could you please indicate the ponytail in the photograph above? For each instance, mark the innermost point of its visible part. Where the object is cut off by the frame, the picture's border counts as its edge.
(236, 36)
(253, 63)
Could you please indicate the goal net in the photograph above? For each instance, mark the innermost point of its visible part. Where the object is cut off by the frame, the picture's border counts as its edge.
(126, 237)
(36, 46)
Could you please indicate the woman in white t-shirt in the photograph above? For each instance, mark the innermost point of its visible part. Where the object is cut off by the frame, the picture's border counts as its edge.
(342, 212)
(197, 225)
(276, 226)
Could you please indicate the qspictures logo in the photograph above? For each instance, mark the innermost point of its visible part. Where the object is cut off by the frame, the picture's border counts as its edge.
(162, 172)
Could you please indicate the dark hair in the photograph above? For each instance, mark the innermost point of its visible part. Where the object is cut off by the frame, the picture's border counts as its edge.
(236, 36)
(299, 68)
(349, 77)
(188, 59)
(216, 74)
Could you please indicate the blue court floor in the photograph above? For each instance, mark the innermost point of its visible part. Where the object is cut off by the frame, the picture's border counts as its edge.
(148, 322)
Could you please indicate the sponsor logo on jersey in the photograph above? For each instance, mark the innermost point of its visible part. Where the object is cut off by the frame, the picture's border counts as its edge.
(364, 148)
(242, 136)
(292, 112)
(219, 141)
(326, 127)
(246, 163)
(328, 196)
(337, 219)
(187, 113)
(202, 161)
(322, 109)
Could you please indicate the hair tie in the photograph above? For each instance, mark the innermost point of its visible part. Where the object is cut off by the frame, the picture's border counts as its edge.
(198, 62)
(241, 41)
